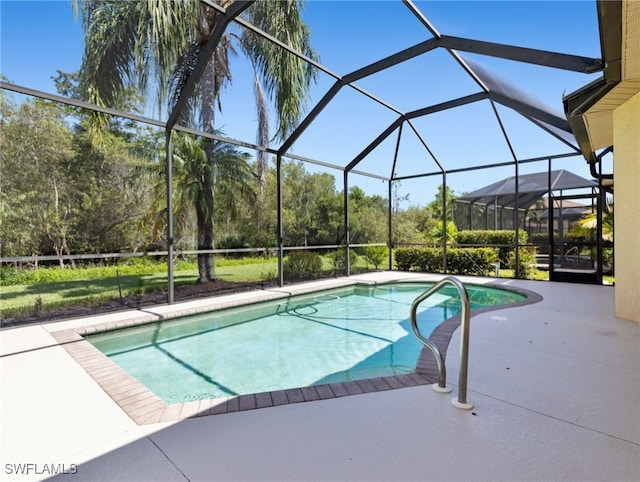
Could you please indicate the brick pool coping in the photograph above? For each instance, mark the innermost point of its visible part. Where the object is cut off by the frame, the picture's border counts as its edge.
(144, 407)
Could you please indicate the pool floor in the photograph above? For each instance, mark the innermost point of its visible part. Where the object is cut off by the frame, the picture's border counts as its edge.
(335, 337)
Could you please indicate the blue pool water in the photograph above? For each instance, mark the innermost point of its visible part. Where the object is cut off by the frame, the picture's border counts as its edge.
(332, 336)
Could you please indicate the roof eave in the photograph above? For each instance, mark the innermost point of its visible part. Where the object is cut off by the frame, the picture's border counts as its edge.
(576, 104)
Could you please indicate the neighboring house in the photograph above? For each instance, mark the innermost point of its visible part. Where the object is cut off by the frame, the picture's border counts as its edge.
(565, 212)
(493, 206)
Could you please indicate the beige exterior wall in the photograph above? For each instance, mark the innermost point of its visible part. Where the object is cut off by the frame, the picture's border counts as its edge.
(626, 142)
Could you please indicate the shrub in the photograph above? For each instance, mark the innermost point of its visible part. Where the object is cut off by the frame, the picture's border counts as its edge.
(542, 241)
(55, 274)
(472, 261)
(233, 242)
(419, 259)
(302, 264)
(269, 275)
(141, 262)
(435, 235)
(376, 254)
(338, 260)
(12, 276)
(407, 258)
(490, 237)
(527, 263)
(607, 260)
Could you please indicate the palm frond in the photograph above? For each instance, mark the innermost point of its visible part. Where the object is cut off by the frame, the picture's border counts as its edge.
(233, 174)
(167, 28)
(129, 42)
(184, 69)
(285, 77)
(587, 226)
(109, 57)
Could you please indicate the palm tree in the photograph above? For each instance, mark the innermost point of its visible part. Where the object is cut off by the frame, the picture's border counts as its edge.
(587, 226)
(191, 170)
(129, 41)
(534, 214)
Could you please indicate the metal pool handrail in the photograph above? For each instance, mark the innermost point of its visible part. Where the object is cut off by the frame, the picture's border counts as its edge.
(441, 386)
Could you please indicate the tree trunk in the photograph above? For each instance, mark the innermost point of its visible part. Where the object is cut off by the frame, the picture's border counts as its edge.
(262, 139)
(205, 241)
(211, 81)
(206, 233)
(206, 261)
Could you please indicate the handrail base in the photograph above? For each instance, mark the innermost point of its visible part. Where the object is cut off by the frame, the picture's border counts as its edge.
(460, 405)
(439, 389)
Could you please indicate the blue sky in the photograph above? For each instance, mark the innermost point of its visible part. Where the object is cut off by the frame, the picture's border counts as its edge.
(40, 37)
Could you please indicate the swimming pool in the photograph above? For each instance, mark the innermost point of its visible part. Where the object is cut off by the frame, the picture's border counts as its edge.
(354, 333)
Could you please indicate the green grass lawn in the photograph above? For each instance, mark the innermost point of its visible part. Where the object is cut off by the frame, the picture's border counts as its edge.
(95, 285)
(27, 298)
(538, 274)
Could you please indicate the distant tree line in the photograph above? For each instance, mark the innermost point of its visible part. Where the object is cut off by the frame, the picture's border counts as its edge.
(64, 191)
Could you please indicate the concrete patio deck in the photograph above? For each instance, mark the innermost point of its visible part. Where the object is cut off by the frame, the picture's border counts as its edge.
(555, 387)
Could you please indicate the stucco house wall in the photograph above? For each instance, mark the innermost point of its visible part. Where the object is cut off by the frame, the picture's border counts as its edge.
(626, 141)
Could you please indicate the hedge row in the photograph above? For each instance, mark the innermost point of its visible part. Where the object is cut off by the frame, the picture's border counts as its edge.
(471, 261)
(488, 237)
